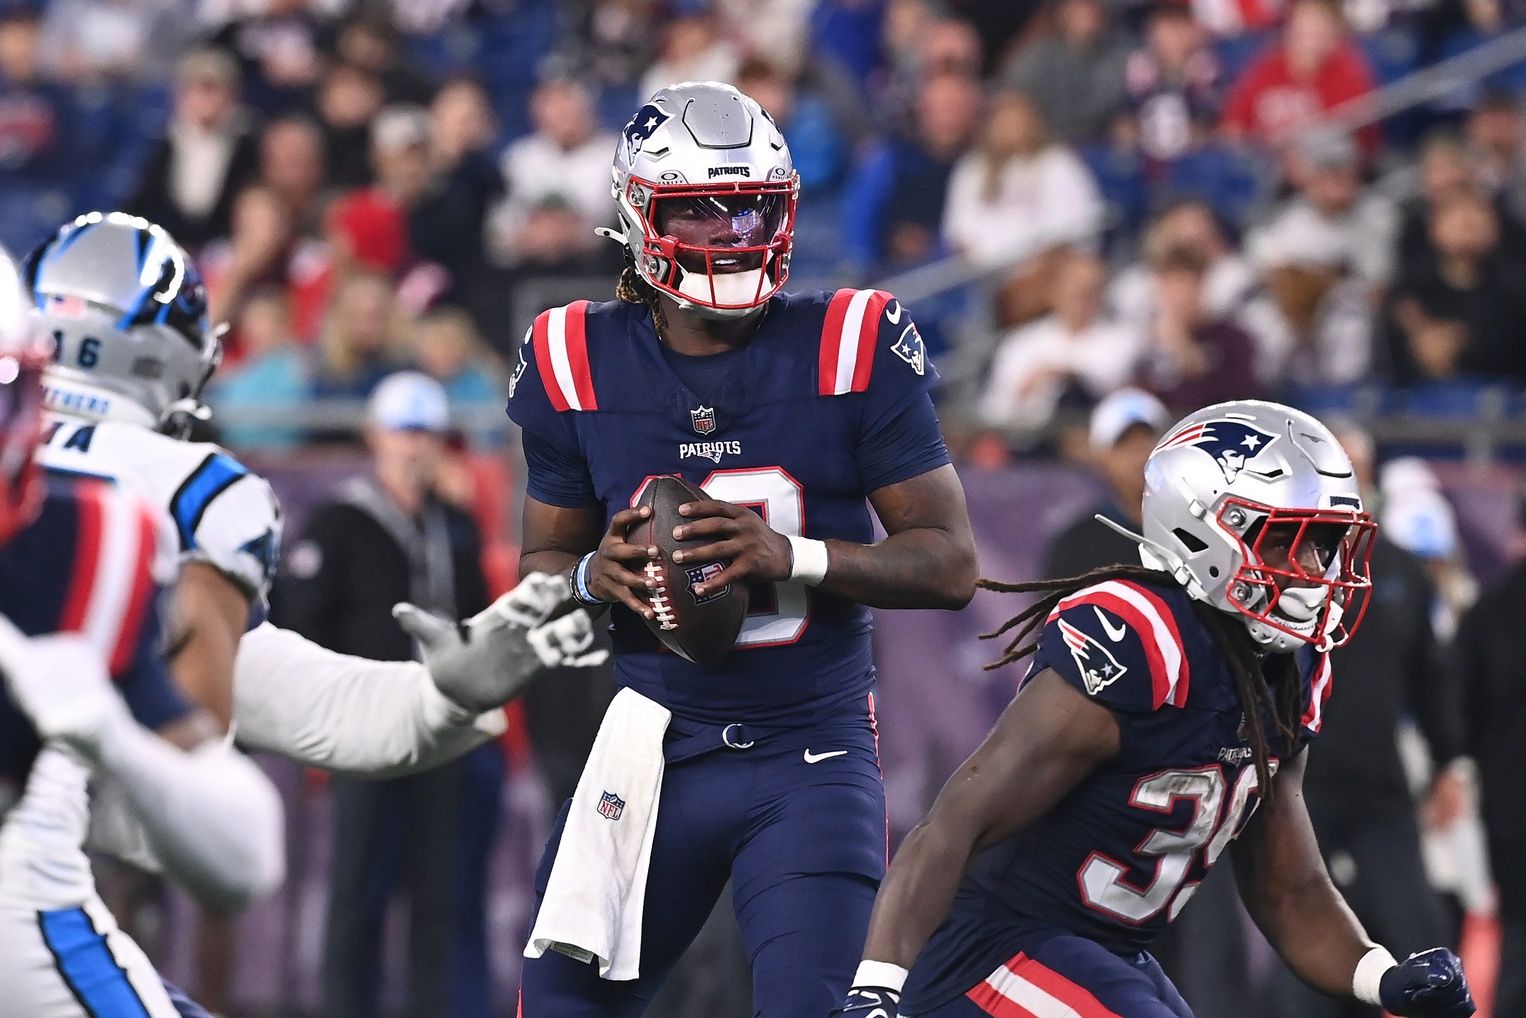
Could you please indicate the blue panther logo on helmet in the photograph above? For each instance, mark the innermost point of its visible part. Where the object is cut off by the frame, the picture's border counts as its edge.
(1232, 444)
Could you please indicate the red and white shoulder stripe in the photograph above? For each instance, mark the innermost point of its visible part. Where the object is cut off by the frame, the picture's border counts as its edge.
(847, 340)
(1319, 692)
(1023, 988)
(561, 357)
(1148, 614)
(111, 588)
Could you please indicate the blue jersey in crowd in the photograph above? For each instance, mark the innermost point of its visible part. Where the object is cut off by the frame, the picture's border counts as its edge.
(85, 565)
(827, 403)
(1121, 854)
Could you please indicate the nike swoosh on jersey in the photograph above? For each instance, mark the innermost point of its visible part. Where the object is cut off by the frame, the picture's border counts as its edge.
(818, 757)
(1114, 633)
(895, 316)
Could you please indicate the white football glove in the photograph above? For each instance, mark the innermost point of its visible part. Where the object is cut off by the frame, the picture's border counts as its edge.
(60, 683)
(491, 658)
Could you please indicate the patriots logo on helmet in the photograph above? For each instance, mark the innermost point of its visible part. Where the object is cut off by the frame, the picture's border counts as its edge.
(1097, 665)
(646, 120)
(1232, 444)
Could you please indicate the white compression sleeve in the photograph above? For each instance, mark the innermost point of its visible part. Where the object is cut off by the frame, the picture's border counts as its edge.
(348, 714)
(210, 815)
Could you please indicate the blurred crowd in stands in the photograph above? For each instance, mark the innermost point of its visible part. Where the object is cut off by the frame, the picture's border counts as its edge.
(1141, 191)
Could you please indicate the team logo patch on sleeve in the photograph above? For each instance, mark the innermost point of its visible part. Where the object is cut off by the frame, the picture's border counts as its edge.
(910, 348)
(1097, 665)
(1232, 444)
(611, 806)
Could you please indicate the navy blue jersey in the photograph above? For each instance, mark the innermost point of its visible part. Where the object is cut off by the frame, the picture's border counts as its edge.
(1120, 855)
(85, 565)
(826, 404)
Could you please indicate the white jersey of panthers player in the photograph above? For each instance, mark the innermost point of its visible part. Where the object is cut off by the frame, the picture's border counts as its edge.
(214, 510)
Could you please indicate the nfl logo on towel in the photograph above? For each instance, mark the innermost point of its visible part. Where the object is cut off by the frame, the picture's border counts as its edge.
(703, 419)
(611, 806)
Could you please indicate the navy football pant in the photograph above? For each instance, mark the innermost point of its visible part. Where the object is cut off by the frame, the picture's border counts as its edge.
(1068, 977)
(803, 843)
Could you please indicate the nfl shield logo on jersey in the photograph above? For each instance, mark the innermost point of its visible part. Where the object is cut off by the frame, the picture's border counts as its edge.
(611, 806)
(1097, 665)
(703, 419)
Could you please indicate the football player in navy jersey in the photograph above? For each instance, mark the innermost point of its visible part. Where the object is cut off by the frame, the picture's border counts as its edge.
(795, 413)
(1164, 704)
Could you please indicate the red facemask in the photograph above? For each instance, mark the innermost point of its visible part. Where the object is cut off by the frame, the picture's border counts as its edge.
(724, 246)
(1325, 552)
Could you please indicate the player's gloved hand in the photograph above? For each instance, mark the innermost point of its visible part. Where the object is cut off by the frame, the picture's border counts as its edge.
(487, 660)
(1430, 984)
(614, 572)
(869, 1002)
(60, 682)
(756, 550)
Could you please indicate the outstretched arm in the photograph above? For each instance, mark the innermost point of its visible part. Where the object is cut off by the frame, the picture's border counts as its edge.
(1048, 740)
(1285, 886)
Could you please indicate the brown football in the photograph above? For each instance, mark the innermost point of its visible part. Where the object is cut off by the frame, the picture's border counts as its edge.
(701, 629)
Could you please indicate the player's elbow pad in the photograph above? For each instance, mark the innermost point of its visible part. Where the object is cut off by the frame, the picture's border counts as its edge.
(211, 816)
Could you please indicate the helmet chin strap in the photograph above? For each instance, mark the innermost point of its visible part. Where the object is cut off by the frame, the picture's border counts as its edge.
(727, 288)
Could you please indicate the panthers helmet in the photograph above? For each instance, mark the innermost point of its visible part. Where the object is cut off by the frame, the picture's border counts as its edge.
(126, 310)
(1255, 509)
(706, 192)
(21, 364)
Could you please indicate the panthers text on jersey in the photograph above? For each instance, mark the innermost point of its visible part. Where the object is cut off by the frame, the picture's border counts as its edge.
(1120, 855)
(214, 509)
(85, 565)
(827, 403)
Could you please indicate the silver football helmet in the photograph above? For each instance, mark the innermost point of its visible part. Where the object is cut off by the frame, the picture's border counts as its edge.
(706, 192)
(1254, 508)
(126, 311)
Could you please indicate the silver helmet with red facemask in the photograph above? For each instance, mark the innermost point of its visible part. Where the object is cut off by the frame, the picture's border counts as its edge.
(1255, 509)
(22, 358)
(706, 192)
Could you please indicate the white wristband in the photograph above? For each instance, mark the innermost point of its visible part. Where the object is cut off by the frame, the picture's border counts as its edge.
(881, 974)
(810, 560)
(1368, 975)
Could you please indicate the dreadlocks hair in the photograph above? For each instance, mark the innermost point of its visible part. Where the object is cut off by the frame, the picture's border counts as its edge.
(632, 289)
(1257, 691)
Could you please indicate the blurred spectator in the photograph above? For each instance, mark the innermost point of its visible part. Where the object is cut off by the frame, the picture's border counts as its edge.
(1496, 133)
(263, 250)
(1172, 82)
(1192, 358)
(271, 378)
(1073, 357)
(370, 42)
(292, 165)
(1416, 515)
(921, 44)
(816, 145)
(1310, 71)
(1466, 314)
(369, 227)
(280, 46)
(1017, 194)
(205, 157)
(557, 179)
(1331, 223)
(349, 98)
(1242, 18)
(693, 48)
(1075, 70)
(773, 31)
(446, 223)
(120, 40)
(1491, 667)
(894, 200)
(34, 111)
(1231, 287)
(1124, 428)
(365, 338)
(447, 348)
(1445, 167)
(383, 538)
